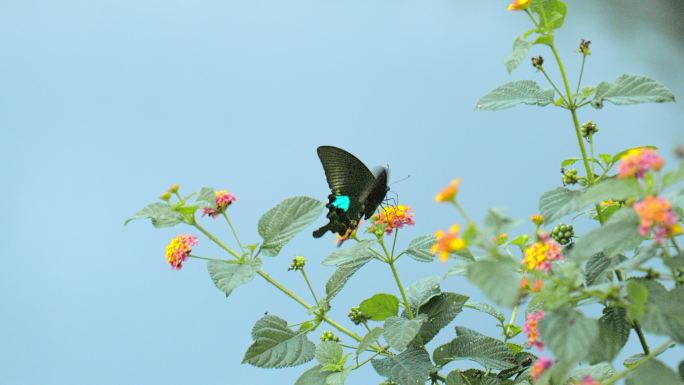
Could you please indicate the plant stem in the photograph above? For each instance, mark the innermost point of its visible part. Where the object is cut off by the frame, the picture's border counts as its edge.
(514, 315)
(368, 360)
(401, 289)
(306, 278)
(554, 86)
(394, 241)
(462, 211)
(618, 376)
(232, 229)
(207, 259)
(217, 241)
(635, 324)
(579, 81)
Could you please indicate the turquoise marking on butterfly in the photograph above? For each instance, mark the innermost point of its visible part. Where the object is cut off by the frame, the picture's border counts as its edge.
(356, 192)
(341, 202)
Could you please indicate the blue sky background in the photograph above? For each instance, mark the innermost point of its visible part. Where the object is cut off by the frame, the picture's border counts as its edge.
(103, 104)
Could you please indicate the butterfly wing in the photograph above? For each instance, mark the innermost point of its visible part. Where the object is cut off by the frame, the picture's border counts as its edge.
(345, 173)
(375, 194)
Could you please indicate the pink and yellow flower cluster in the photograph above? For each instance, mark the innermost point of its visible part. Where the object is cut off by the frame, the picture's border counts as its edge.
(542, 253)
(519, 5)
(447, 243)
(638, 161)
(223, 200)
(394, 217)
(656, 215)
(539, 367)
(178, 250)
(531, 328)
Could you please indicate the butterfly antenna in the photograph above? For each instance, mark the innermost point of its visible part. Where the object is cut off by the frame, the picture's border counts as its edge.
(401, 180)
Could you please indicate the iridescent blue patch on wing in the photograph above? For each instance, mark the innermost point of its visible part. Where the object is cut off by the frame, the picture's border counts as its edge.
(341, 202)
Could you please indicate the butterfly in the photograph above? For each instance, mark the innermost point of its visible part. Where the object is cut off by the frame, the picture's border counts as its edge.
(355, 191)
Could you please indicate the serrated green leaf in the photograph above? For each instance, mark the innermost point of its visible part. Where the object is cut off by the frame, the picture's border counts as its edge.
(643, 255)
(497, 279)
(556, 203)
(617, 189)
(440, 311)
(568, 333)
(496, 221)
(673, 177)
(338, 378)
(399, 332)
(619, 234)
(470, 345)
(519, 53)
(369, 339)
(474, 377)
(599, 268)
(459, 268)
(419, 248)
(281, 223)
(599, 372)
(411, 367)
(206, 197)
(277, 346)
(358, 253)
(652, 372)
(329, 352)
(631, 89)
(228, 275)
(313, 376)
(487, 309)
(380, 307)
(421, 291)
(343, 273)
(551, 13)
(569, 162)
(614, 329)
(159, 213)
(664, 312)
(514, 93)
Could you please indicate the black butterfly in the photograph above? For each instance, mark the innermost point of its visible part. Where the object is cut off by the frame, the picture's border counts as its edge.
(356, 191)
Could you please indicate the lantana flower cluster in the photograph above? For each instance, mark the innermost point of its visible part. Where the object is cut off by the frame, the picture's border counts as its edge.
(531, 328)
(447, 243)
(178, 250)
(638, 161)
(542, 254)
(656, 215)
(519, 5)
(448, 193)
(223, 200)
(541, 365)
(393, 217)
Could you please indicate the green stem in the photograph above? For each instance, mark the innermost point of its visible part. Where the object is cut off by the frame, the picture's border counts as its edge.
(514, 315)
(369, 359)
(394, 241)
(548, 78)
(207, 259)
(306, 278)
(462, 211)
(401, 289)
(217, 241)
(579, 81)
(232, 229)
(618, 376)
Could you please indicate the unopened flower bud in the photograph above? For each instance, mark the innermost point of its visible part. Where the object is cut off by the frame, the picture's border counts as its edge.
(589, 129)
(563, 234)
(356, 316)
(329, 336)
(174, 188)
(584, 47)
(500, 239)
(537, 219)
(570, 176)
(537, 62)
(298, 263)
(165, 196)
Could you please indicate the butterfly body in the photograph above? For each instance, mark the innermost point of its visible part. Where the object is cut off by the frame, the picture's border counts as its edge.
(355, 191)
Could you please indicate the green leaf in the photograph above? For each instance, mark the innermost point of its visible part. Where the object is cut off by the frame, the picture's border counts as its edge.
(568, 333)
(519, 53)
(228, 275)
(343, 273)
(664, 310)
(681, 370)
(551, 13)
(497, 279)
(599, 268)
(313, 376)
(160, 214)
(206, 197)
(619, 234)
(338, 378)
(399, 332)
(419, 248)
(277, 346)
(652, 372)
(380, 307)
(514, 93)
(440, 311)
(329, 352)
(281, 223)
(411, 367)
(459, 268)
(599, 372)
(631, 89)
(556, 203)
(614, 329)
(487, 309)
(496, 221)
(617, 189)
(358, 253)
(474, 377)
(673, 177)
(369, 339)
(470, 345)
(422, 291)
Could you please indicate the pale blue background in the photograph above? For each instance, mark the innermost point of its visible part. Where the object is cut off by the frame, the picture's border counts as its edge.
(103, 104)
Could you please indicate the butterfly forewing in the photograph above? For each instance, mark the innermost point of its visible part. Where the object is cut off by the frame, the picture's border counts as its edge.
(345, 173)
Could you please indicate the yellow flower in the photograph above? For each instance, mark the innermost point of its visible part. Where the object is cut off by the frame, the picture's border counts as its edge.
(519, 5)
(449, 192)
(541, 254)
(537, 219)
(447, 243)
(394, 217)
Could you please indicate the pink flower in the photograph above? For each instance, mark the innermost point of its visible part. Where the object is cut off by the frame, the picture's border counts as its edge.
(394, 217)
(178, 250)
(588, 380)
(531, 328)
(223, 200)
(542, 253)
(539, 367)
(656, 213)
(637, 161)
